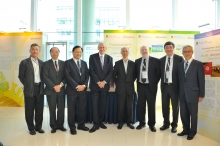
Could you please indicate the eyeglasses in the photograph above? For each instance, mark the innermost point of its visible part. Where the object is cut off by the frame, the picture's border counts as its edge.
(187, 51)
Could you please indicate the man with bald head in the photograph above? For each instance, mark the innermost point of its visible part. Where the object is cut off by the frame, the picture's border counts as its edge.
(124, 76)
(54, 79)
(100, 69)
(147, 71)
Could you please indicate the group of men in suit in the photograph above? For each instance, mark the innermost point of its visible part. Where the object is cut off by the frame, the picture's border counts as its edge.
(182, 81)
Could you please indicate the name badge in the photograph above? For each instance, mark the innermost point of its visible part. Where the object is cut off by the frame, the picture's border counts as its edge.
(36, 77)
(144, 74)
(168, 74)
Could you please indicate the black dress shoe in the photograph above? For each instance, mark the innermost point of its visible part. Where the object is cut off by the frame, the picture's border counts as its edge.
(40, 130)
(53, 130)
(164, 127)
(93, 129)
(140, 126)
(152, 128)
(102, 126)
(73, 131)
(182, 133)
(190, 137)
(120, 125)
(84, 128)
(173, 130)
(130, 126)
(32, 132)
(62, 129)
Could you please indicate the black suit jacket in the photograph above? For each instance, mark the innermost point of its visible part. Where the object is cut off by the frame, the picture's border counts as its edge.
(26, 76)
(73, 77)
(124, 82)
(175, 81)
(51, 78)
(97, 74)
(193, 86)
(153, 72)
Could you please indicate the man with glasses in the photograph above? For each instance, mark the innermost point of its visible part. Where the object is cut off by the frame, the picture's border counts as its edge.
(31, 77)
(54, 79)
(191, 91)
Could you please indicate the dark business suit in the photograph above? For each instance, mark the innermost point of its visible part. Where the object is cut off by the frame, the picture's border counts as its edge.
(191, 87)
(170, 91)
(124, 88)
(56, 100)
(99, 95)
(147, 92)
(33, 94)
(73, 79)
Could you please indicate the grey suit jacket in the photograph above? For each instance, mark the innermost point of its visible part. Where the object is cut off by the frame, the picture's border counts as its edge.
(175, 81)
(51, 78)
(124, 81)
(73, 77)
(97, 74)
(26, 76)
(153, 72)
(193, 86)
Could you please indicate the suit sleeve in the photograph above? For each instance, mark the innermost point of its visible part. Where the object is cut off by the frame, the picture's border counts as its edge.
(46, 79)
(21, 72)
(92, 70)
(109, 75)
(201, 79)
(69, 79)
(158, 70)
(115, 73)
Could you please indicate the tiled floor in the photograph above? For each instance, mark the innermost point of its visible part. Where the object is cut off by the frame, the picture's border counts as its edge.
(14, 132)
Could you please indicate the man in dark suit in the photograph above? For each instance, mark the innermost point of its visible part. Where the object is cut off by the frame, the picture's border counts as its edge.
(191, 91)
(77, 76)
(124, 76)
(31, 77)
(170, 86)
(147, 70)
(100, 68)
(54, 79)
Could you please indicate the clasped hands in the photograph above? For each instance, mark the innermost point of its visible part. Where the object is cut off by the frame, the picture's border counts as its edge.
(101, 84)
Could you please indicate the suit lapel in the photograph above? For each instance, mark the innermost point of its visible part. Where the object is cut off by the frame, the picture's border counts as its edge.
(31, 65)
(105, 61)
(52, 65)
(75, 66)
(192, 64)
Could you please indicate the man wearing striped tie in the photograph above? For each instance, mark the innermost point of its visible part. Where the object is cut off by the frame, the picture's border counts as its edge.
(191, 91)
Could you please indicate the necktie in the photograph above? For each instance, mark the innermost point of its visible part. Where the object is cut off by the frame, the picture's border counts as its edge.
(144, 69)
(78, 66)
(102, 61)
(56, 67)
(186, 65)
(167, 69)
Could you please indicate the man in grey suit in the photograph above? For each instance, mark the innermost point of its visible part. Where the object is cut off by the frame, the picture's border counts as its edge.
(100, 68)
(191, 91)
(124, 76)
(170, 86)
(54, 79)
(77, 76)
(31, 77)
(147, 71)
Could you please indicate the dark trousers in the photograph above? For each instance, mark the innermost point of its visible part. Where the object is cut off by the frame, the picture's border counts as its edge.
(145, 94)
(34, 109)
(125, 101)
(189, 116)
(56, 105)
(76, 101)
(167, 95)
(98, 106)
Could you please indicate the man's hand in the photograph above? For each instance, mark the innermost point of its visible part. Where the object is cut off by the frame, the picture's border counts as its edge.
(80, 88)
(200, 99)
(57, 88)
(101, 84)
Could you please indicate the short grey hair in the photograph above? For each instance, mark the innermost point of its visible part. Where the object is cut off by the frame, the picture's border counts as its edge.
(34, 44)
(187, 46)
(142, 47)
(124, 47)
(102, 43)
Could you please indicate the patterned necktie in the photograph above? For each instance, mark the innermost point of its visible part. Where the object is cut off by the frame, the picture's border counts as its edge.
(144, 69)
(102, 61)
(78, 66)
(167, 69)
(56, 67)
(186, 65)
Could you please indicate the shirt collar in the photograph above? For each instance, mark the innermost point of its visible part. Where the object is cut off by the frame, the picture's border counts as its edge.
(189, 61)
